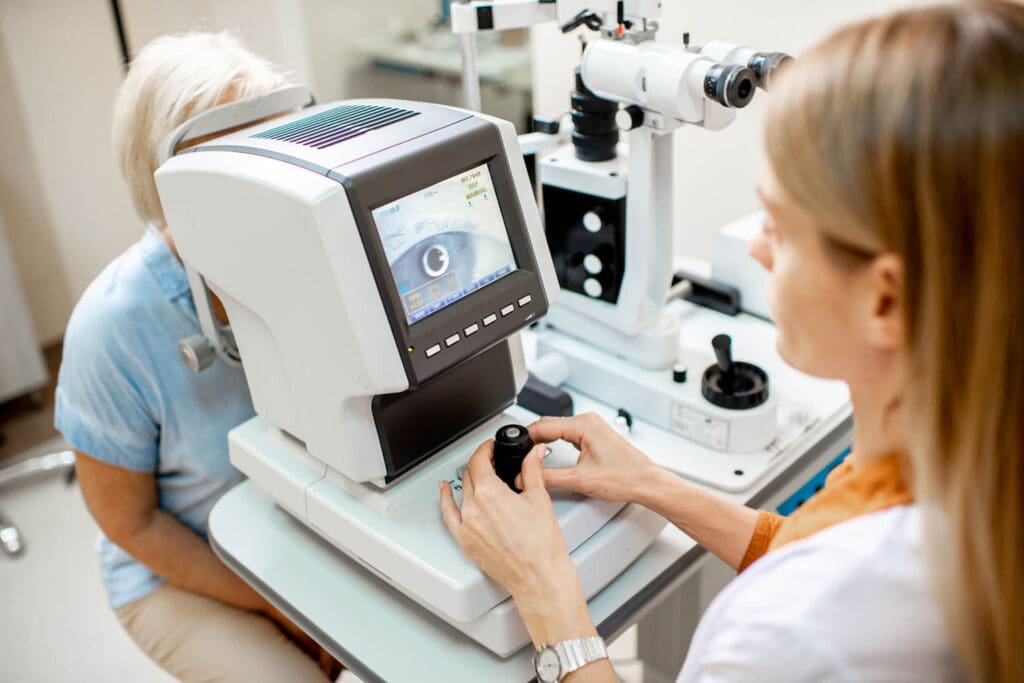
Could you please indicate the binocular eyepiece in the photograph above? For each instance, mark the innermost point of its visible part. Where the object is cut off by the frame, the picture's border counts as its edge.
(731, 85)
(765, 65)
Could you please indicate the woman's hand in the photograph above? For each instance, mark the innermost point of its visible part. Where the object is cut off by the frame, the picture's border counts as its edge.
(609, 467)
(515, 539)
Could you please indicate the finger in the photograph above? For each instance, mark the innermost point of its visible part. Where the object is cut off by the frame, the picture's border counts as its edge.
(450, 511)
(548, 429)
(468, 489)
(533, 471)
(560, 478)
(481, 463)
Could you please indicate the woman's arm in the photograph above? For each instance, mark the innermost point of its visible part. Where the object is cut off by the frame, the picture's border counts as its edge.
(124, 504)
(611, 468)
(723, 527)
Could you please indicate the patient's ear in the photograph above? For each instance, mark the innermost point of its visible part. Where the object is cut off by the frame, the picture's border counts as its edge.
(886, 301)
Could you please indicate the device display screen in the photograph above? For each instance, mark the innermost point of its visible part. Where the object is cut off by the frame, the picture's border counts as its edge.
(445, 241)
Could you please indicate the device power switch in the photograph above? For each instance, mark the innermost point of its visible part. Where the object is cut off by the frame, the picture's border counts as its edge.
(433, 350)
(507, 310)
(490, 319)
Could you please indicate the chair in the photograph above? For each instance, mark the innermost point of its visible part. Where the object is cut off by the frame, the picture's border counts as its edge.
(11, 540)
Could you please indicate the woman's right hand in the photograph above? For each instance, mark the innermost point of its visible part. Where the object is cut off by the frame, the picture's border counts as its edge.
(609, 467)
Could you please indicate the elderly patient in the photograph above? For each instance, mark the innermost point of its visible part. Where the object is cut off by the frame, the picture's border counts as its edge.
(150, 437)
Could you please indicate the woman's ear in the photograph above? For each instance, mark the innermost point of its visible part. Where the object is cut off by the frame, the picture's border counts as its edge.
(886, 329)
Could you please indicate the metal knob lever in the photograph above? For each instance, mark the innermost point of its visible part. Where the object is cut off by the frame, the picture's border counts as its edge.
(197, 353)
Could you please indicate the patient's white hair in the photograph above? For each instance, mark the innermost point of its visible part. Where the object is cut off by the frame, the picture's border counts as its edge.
(170, 80)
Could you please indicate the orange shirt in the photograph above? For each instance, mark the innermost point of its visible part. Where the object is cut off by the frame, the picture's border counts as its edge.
(849, 491)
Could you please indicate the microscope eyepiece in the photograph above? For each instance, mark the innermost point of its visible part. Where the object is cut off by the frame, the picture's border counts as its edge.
(731, 85)
(766, 65)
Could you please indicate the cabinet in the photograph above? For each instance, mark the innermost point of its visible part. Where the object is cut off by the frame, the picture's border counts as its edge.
(22, 369)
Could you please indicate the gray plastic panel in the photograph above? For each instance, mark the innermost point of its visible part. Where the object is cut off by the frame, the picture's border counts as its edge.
(428, 118)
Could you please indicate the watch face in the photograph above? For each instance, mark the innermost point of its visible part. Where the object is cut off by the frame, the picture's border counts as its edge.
(547, 665)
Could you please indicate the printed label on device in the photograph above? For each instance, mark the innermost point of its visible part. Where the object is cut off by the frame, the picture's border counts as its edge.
(698, 427)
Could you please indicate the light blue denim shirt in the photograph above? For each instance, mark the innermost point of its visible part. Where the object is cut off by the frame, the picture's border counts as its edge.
(124, 397)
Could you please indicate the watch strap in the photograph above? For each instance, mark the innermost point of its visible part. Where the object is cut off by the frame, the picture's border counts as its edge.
(578, 652)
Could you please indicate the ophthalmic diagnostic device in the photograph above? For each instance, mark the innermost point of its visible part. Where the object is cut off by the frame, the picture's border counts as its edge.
(607, 184)
(377, 261)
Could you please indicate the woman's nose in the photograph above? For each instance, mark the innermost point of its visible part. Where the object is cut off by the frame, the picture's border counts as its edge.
(761, 251)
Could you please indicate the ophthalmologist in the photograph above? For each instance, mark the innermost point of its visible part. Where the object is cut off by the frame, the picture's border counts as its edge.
(894, 241)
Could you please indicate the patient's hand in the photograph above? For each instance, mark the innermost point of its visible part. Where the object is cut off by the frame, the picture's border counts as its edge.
(609, 467)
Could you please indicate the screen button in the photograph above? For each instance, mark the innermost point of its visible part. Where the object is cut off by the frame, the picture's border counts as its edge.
(507, 310)
(472, 329)
(490, 319)
(433, 350)
(525, 300)
(452, 340)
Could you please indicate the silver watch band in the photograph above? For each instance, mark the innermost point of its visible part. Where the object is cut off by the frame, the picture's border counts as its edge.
(578, 652)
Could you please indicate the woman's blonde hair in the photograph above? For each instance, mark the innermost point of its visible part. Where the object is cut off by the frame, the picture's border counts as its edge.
(170, 80)
(905, 134)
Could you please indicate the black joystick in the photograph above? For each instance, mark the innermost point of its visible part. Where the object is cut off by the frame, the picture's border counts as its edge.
(512, 443)
(733, 384)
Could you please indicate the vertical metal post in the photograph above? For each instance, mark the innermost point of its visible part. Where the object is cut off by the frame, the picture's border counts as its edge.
(122, 37)
(470, 74)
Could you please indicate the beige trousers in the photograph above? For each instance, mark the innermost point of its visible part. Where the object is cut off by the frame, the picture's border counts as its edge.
(198, 640)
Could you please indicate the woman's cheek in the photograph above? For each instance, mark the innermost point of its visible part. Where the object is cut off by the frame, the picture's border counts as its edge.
(779, 297)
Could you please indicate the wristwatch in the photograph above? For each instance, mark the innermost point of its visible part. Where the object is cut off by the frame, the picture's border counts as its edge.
(553, 662)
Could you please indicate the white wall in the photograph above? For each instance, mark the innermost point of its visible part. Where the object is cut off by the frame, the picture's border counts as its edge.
(716, 172)
(67, 211)
(272, 28)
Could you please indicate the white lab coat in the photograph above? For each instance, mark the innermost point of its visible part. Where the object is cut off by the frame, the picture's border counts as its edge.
(853, 602)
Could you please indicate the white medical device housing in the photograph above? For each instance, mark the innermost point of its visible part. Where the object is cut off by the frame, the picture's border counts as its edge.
(353, 246)
(376, 259)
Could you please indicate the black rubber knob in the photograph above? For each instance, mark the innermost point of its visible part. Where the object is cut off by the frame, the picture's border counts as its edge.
(679, 372)
(512, 443)
(733, 384)
(722, 344)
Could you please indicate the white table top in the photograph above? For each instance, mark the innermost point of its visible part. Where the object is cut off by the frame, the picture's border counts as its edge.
(381, 635)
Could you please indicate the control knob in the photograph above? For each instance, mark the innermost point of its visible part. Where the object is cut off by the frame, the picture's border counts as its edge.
(512, 444)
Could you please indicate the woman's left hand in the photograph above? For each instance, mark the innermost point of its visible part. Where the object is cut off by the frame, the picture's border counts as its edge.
(515, 539)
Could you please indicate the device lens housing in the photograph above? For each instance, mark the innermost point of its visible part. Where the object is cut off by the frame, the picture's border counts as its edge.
(731, 85)
(766, 64)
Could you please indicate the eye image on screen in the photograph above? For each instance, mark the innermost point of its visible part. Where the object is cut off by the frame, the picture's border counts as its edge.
(444, 242)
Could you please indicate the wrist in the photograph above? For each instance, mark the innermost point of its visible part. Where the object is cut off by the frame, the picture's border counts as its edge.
(554, 608)
(651, 486)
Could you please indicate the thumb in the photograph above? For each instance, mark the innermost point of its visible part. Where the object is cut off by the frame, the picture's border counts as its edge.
(533, 470)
